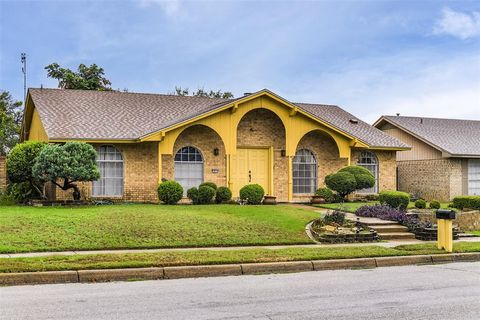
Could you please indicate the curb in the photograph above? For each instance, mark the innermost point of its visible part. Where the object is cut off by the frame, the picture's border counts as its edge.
(180, 272)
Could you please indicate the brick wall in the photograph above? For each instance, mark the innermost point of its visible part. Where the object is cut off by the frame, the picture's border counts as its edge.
(3, 173)
(439, 179)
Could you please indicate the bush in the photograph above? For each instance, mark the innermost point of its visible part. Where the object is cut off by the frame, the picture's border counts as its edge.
(326, 194)
(468, 202)
(342, 182)
(252, 193)
(223, 194)
(209, 184)
(7, 199)
(192, 194)
(22, 192)
(363, 177)
(205, 194)
(380, 211)
(395, 199)
(337, 217)
(434, 204)
(170, 192)
(420, 204)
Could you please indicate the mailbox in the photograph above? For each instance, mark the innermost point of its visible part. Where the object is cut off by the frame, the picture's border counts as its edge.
(445, 214)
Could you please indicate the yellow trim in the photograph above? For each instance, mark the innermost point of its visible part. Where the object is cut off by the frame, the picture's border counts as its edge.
(290, 179)
(160, 169)
(270, 173)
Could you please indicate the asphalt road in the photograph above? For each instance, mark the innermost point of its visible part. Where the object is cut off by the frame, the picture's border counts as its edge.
(449, 291)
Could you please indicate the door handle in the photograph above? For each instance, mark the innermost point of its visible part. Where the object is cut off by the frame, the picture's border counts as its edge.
(249, 176)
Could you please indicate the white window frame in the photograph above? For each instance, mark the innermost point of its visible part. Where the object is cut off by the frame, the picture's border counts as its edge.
(189, 167)
(109, 159)
(473, 177)
(305, 158)
(369, 161)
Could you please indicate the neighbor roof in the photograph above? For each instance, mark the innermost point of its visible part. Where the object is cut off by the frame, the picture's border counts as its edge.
(456, 137)
(112, 115)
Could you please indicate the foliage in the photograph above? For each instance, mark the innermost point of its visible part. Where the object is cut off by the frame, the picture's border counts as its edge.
(326, 194)
(22, 192)
(192, 194)
(337, 217)
(10, 122)
(363, 177)
(85, 78)
(170, 192)
(434, 204)
(343, 183)
(252, 193)
(179, 91)
(466, 202)
(6, 199)
(421, 204)
(223, 194)
(386, 212)
(395, 199)
(209, 184)
(205, 194)
(71, 162)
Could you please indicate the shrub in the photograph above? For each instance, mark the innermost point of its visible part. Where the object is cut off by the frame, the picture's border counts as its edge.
(420, 204)
(342, 182)
(337, 217)
(434, 204)
(384, 212)
(6, 199)
(209, 184)
(192, 194)
(252, 193)
(469, 202)
(395, 199)
(170, 192)
(326, 194)
(223, 194)
(363, 177)
(205, 194)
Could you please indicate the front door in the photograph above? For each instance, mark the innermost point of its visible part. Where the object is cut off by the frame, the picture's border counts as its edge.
(250, 166)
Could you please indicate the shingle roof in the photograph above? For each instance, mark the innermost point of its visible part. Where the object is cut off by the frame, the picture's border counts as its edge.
(457, 137)
(109, 115)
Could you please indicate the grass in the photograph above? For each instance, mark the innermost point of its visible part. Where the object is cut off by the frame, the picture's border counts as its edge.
(26, 229)
(475, 232)
(210, 257)
(353, 206)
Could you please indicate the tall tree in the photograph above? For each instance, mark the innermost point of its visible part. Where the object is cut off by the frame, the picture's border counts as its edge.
(10, 122)
(86, 78)
(179, 91)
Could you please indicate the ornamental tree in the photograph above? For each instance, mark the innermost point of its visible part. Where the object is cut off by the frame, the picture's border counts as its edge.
(85, 78)
(64, 165)
(350, 179)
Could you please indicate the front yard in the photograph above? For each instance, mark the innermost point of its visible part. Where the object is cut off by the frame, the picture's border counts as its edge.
(24, 229)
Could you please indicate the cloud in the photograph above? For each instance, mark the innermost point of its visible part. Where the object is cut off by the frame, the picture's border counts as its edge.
(458, 24)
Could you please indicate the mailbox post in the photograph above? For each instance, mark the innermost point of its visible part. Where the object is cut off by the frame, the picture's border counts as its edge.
(445, 229)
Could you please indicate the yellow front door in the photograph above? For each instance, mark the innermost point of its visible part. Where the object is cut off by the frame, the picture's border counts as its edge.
(250, 166)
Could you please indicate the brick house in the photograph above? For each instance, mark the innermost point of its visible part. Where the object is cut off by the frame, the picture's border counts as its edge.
(444, 160)
(286, 147)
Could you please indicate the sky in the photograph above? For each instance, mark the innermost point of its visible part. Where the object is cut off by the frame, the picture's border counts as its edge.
(419, 58)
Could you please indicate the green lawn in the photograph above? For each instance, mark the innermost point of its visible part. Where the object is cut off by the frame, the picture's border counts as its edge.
(353, 206)
(475, 232)
(24, 229)
(204, 257)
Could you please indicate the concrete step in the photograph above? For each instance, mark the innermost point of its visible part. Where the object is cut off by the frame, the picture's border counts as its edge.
(396, 236)
(380, 223)
(389, 228)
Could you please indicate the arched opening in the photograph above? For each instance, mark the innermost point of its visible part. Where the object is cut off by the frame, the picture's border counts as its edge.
(369, 161)
(188, 167)
(304, 172)
(110, 164)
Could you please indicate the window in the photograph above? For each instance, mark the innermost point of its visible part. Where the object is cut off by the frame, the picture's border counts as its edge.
(188, 168)
(474, 177)
(369, 161)
(110, 164)
(304, 172)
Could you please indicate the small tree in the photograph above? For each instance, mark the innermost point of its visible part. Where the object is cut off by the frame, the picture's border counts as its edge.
(350, 179)
(10, 121)
(19, 164)
(85, 78)
(70, 163)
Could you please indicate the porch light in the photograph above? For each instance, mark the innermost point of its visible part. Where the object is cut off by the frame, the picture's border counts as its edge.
(216, 152)
(283, 153)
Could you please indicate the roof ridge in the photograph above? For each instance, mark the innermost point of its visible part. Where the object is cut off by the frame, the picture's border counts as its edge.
(432, 118)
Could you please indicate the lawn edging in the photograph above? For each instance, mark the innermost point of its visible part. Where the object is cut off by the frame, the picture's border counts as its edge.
(178, 272)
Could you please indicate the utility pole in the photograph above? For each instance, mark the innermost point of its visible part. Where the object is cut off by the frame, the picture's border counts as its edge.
(24, 71)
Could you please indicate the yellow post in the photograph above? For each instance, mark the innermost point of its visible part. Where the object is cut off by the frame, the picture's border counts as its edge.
(440, 233)
(448, 240)
(445, 229)
(290, 179)
(159, 164)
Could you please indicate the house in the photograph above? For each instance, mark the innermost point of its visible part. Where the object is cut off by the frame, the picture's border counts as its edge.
(286, 147)
(444, 160)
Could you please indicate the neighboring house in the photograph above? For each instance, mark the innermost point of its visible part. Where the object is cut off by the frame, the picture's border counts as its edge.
(286, 147)
(444, 161)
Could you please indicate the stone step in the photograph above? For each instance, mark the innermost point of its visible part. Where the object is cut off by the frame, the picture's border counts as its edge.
(380, 223)
(389, 228)
(396, 236)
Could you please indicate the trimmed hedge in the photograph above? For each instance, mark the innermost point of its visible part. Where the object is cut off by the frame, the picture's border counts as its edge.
(192, 194)
(252, 193)
(209, 184)
(363, 177)
(395, 199)
(223, 194)
(420, 204)
(466, 202)
(434, 204)
(326, 194)
(170, 192)
(205, 194)
(342, 182)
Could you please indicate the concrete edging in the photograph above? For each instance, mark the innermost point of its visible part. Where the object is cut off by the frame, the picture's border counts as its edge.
(179, 272)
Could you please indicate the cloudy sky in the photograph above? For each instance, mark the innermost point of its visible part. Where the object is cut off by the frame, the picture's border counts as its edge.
(370, 57)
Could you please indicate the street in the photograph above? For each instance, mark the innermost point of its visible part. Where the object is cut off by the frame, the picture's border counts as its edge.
(448, 291)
